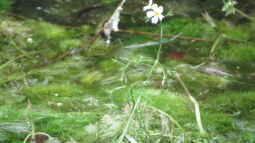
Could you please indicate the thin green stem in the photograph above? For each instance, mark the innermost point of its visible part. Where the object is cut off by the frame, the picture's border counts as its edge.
(158, 52)
(244, 15)
(125, 130)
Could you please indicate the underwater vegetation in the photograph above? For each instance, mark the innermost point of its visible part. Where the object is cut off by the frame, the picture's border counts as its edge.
(62, 83)
(5, 4)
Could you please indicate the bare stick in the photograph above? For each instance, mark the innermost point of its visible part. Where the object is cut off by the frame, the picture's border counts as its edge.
(158, 35)
(197, 110)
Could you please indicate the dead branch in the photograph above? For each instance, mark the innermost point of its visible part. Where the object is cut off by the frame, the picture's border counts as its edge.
(165, 35)
(196, 104)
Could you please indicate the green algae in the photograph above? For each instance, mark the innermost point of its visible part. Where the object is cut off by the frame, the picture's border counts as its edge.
(109, 1)
(49, 31)
(241, 56)
(234, 103)
(50, 122)
(5, 5)
(39, 92)
(235, 32)
(91, 78)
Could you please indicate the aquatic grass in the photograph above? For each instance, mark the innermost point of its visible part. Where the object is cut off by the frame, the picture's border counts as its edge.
(239, 104)
(217, 122)
(6, 5)
(235, 32)
(48, 30)
(124, 132)
(239, 57)
(189, 27)
(144, 130)
(242, 53)
(46, 92)
(51, 122)
(158, 100)
(199, 82)
(16, 35)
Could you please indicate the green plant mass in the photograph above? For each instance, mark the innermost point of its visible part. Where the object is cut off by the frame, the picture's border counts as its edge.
(112, 71)
(5, 4)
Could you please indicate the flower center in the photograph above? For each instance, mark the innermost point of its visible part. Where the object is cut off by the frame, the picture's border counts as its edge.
(157, 13)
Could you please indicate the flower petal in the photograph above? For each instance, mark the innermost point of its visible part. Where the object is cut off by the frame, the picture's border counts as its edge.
(147, 7)
(150, 2)
(160, 9)
(160, 17)
(154, 20)
(154, 7)
(150, 14)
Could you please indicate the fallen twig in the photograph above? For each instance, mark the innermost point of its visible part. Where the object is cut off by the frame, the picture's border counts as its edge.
(165, 35)
(197, 110)
(154, 43)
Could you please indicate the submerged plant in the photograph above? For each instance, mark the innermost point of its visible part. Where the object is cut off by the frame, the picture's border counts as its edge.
(5, 4)
(229, 7)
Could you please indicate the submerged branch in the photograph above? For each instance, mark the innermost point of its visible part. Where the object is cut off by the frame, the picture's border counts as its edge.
(196, 104)
(245, 15)
(165, 35)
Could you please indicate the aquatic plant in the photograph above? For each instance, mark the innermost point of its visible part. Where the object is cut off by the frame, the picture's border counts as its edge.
(229, 7)
(5, 4)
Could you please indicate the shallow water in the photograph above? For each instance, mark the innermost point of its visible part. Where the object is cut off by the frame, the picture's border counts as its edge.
(62, 81)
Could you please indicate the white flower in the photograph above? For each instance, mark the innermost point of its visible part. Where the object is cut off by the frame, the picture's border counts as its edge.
(29, 40)
(39, 8)
(149, 6)
(155, 13)
(59, 104)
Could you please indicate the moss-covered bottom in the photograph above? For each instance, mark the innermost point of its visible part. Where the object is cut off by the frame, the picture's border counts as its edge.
(54, 87)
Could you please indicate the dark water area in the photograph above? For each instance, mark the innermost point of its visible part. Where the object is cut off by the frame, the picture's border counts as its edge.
(63, 12)
(89, 11)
